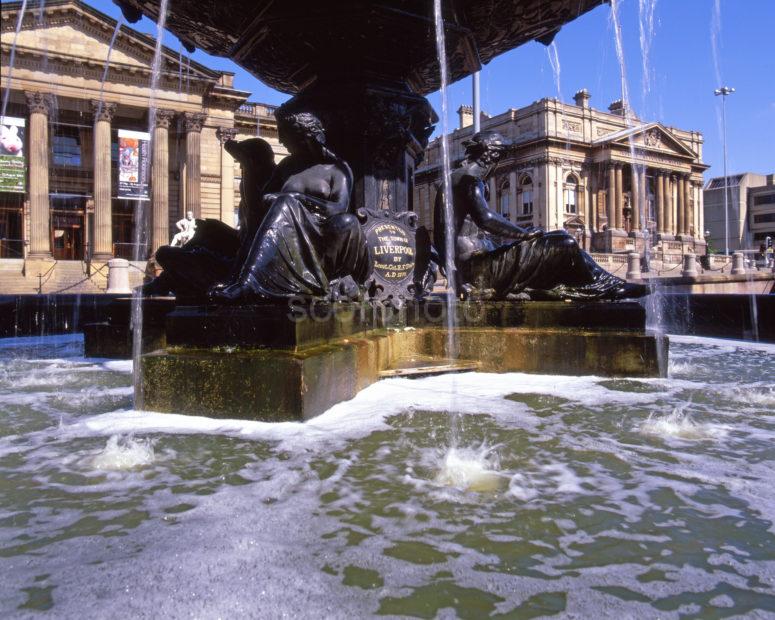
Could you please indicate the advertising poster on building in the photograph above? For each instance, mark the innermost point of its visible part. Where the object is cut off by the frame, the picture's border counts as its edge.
(133, 155)
(12, 160)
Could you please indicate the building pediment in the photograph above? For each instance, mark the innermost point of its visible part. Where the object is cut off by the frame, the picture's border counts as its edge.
(653, 137)
(72, 32)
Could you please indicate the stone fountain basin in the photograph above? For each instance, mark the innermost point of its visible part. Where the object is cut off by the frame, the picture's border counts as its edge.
(290, 45)
(250, 367)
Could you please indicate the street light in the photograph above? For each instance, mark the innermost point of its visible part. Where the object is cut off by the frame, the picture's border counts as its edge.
(724, 91)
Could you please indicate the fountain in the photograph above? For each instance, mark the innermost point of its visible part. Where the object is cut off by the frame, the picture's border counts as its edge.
(621, 492)
(341, 302)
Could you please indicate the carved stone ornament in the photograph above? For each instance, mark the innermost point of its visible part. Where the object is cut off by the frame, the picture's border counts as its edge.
(41, 103)
(194, 121)
(391, 238)
(163, 118)
(652, 138)
(103, 110)
(224, 134)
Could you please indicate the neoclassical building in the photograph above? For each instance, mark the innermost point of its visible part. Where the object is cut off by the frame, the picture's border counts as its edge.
(601, 175)
(78, 121)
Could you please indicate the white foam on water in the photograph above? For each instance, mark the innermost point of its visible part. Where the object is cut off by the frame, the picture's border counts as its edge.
(727, 345)
(470, 469)
(679, 425)
(124, 453)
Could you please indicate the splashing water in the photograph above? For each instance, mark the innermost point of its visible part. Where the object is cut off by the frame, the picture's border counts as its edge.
(116, 30)
(646, 9)
(141, 225)
(679, 425)
(124, 453)
(12, 56)
(470, 469)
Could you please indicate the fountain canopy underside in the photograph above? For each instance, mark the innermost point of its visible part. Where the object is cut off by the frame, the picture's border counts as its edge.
(291, 45)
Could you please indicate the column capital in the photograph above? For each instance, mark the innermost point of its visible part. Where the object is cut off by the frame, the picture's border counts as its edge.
(224, 134)
(41, 103)
(163, 117)
(194, 121)
(103, 110)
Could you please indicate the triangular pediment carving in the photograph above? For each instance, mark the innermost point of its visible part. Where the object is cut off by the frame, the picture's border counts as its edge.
(649, 137)
(71, 31)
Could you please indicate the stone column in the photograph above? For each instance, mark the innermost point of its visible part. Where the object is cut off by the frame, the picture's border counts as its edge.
(619, 198)
(40, 105)
(493, 194)
(636, 189)
(610, 199)
(659, 179)
(513, 195)
(194, 122)
(688, 215)
(103, 200)
(592, 215)
(668, 192)
(160, 179)
(681, 225)
(224, 134)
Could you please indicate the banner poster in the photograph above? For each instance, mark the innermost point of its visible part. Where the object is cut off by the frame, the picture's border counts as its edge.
(133, 156)
(12, 160)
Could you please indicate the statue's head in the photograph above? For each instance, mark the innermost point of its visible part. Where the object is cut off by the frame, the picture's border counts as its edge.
(298, 130)
(190, 215)
(486, 147)
(255, 152)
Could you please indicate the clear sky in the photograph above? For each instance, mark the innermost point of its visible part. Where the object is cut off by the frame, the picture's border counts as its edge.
(682, 69)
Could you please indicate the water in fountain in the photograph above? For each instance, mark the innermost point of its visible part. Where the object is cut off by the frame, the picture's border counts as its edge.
(579, 496)
(12, 57)
(116, 30)
(141, 223)
(654, 302)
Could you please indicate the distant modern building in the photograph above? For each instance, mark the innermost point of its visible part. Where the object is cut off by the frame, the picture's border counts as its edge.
(601, 175)
(751, 210)
(76, 165)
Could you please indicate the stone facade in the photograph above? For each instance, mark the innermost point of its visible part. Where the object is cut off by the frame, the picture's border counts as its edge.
(604, 176)
(751, 206)
(75, 93)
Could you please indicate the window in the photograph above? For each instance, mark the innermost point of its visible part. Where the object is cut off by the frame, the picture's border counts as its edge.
(526, 193)
(504, 204)
(570, 194)
(765, 217)
(766, 199)
(66, 147)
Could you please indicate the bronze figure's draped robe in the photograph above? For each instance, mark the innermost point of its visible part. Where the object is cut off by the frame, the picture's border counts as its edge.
(496, 259)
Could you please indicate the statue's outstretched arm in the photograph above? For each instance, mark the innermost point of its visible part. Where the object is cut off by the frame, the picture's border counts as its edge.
(492, 222)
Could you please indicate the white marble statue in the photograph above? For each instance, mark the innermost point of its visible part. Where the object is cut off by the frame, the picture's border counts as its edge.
(186, 228)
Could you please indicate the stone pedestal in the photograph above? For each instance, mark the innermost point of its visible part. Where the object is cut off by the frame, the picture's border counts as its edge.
(689, 269)
(263, 363)
(633, 266)
(614, 240)
(118, 276)
(738, 264)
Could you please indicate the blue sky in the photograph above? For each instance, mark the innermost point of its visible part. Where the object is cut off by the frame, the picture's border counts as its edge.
(682, 69)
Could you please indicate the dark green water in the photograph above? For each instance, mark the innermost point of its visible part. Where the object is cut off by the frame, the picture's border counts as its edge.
(575, 497)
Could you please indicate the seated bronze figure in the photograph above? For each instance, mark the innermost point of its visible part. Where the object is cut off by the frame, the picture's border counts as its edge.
(496, 259)
(308, 237)
(217, 251)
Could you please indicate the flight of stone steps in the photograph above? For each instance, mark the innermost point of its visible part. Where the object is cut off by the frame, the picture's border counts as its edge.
(66, 277)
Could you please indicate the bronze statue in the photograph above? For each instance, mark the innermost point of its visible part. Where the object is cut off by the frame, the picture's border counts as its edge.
(496, 259)
(216, 251)
(308, 238)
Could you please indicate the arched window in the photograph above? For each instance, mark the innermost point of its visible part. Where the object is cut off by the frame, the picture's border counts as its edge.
(526, 195)
(570, 194)
(504, 200)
